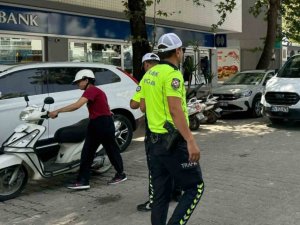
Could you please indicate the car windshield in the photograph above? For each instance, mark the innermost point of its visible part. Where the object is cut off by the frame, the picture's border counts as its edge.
(291, 68)
(245, 79)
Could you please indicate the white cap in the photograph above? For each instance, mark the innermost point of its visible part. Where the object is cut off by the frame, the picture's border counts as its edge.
(85, 73)
(150, 56)
(170, 41)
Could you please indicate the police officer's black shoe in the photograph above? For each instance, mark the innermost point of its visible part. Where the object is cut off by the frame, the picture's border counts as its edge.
(145, 207)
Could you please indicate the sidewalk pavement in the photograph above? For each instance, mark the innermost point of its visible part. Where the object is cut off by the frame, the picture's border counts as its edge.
(250, 168)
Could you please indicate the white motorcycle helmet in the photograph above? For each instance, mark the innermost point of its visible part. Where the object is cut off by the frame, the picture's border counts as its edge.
(83, 74)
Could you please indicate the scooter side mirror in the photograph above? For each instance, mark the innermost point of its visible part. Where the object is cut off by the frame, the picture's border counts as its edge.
(48, 100)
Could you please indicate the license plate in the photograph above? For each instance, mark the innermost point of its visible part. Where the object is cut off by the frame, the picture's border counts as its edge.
(223, 103)
(280, 109)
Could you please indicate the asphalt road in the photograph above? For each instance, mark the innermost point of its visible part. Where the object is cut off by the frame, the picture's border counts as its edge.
(251, 170)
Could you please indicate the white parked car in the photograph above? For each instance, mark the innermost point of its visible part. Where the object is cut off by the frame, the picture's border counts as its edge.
(40, 80)
(5, 67)
(281, 99)
(242, 92)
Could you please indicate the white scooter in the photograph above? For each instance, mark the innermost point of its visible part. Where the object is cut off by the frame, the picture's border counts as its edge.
(195, 111)
(212, 111)
(24, 156)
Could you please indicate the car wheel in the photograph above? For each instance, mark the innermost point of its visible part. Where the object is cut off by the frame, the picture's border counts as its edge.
(124, 131)
(256, 109)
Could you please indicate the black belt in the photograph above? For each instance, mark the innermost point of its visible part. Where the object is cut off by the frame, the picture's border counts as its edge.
(155, 137)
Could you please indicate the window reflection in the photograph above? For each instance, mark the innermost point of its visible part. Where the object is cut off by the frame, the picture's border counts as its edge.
(95, 52)
(14, 50)
(127, 54)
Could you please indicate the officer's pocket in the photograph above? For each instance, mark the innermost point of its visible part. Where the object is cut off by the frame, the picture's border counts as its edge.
(159, 147)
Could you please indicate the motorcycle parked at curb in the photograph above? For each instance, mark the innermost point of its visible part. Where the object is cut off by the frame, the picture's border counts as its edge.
(202, 110)
(195, 112)
(212, 111)
(25, 156)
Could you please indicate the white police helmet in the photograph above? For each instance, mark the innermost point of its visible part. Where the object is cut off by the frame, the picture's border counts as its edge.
(150, 56)
(82, 74)
(168, 42)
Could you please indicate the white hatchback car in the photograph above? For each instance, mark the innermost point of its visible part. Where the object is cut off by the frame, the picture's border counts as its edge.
(242, 92)
(40, 80)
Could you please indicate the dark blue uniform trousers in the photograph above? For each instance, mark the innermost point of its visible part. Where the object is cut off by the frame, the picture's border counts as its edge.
(166, 165)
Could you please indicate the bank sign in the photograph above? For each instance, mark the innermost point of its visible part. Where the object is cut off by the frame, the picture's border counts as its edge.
(52, 23)
(18, 18)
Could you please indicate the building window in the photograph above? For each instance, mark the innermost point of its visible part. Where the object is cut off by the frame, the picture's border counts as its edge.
(95, 52)
(127, 56)
(14, 50)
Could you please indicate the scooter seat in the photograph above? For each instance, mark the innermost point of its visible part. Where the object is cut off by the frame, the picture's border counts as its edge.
(72, 134)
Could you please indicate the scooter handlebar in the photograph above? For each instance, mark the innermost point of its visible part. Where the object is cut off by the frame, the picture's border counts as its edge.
(46, 115)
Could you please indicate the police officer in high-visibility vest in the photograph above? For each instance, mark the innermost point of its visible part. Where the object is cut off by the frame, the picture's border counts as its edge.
(148, 61)
(173, 151)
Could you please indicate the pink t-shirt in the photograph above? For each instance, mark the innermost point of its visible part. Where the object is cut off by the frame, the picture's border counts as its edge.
(97, 102)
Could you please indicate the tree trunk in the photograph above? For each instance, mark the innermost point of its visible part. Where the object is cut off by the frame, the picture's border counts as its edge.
(272, 20)
(140, 44)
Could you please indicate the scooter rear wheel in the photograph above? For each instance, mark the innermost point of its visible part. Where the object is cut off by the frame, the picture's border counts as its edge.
(101, 163)
(12, 181)
(211, 117)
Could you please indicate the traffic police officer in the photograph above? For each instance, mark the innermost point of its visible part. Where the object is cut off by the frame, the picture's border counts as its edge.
(149, 60)
(173, 151)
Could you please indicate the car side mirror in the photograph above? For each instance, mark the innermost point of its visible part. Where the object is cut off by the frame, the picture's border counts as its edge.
(48, 100)
(267, 78)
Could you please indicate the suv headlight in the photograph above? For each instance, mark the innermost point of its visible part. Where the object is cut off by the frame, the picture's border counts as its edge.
(246, 93)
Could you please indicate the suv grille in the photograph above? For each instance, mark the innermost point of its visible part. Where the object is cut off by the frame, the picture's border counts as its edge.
(282, 98)
(227, 97)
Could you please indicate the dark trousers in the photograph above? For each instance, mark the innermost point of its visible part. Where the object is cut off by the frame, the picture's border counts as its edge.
(176, 189)
(100, 131)
(168, 165)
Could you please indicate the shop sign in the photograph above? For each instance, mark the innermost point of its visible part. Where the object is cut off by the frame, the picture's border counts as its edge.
(18, 18)
(220, 40)
(44, 22)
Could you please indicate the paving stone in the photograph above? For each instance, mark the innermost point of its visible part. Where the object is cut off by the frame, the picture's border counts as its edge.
(251, 171)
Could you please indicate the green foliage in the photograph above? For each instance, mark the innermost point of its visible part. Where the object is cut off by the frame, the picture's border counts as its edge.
(290, 14)
(291, 18)
(223, 8)
(260, 6)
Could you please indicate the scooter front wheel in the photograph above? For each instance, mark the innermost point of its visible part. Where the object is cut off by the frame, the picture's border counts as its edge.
(12, 181)
(194, 123)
